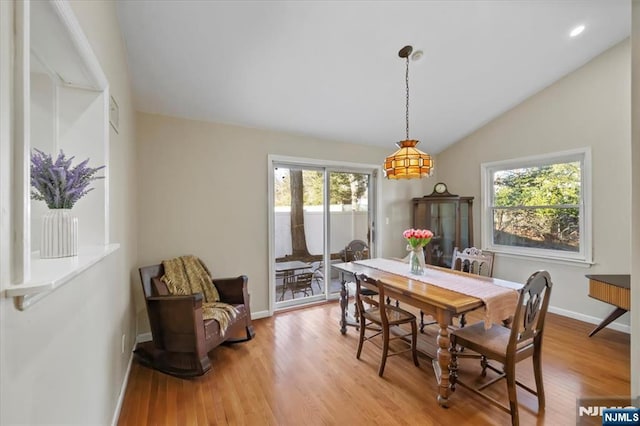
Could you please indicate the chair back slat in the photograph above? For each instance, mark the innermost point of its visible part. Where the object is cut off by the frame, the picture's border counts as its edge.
(300, 279)
(532, 308)
(364, 298)
(473, 261)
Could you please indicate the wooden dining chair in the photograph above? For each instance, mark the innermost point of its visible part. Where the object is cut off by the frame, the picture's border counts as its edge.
(380, 318)
(472, 261)
(507, 345)
(355, 250)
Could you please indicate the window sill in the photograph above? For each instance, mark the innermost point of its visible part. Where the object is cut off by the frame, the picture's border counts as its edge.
(546, 259)
(48, 275)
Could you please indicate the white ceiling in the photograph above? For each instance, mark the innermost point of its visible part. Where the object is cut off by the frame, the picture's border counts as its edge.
(331, 69)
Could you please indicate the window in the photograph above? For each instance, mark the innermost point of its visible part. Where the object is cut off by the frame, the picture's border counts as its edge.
(61, 102)
(538, 206)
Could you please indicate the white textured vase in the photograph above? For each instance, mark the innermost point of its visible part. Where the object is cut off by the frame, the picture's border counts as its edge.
(59, 234)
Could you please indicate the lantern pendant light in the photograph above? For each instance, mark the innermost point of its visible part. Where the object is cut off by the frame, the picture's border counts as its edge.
(408, 162)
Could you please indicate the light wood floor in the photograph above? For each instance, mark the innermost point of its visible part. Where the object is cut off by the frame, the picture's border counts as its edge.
(299, 370)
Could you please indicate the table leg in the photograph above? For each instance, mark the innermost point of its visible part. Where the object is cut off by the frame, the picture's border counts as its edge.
(441, 365)
(608, 320)
(343, 305)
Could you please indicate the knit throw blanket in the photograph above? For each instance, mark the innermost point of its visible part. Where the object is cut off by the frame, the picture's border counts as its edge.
(188, 275)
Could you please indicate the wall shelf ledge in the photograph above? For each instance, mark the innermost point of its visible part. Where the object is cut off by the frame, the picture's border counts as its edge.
(48, 275)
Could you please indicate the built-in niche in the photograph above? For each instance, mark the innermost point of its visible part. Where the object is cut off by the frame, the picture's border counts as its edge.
(61, 103)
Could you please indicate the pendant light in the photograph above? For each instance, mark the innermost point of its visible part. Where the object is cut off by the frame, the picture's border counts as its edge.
(408, 162)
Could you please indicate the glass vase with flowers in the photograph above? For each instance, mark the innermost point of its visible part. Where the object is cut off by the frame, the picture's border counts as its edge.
(416, 240)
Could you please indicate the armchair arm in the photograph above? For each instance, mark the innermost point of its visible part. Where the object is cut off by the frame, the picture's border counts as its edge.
(233, 290)
(176, 321)
(196, 299)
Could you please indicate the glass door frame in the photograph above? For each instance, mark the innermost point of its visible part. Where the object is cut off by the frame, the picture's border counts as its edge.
(375, 173)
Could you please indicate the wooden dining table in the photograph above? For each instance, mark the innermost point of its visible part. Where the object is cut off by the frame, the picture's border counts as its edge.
(424, 293)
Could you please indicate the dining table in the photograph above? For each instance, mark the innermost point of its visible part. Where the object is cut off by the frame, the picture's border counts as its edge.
(440, 292)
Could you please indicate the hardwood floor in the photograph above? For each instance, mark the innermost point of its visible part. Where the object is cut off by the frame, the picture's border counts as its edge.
(299, 370)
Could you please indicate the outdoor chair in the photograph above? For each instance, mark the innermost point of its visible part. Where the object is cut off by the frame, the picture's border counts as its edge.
(299, 283)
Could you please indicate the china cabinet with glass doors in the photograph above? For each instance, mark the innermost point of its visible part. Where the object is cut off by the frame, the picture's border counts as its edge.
(450, 219)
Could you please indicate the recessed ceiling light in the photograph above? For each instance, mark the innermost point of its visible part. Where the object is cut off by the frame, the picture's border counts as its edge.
(577, 31)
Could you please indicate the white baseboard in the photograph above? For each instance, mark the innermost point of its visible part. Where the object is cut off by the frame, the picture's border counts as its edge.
(590, 319)
(259, 315)
(123, 389)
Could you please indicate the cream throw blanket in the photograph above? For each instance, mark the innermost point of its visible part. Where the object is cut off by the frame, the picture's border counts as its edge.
(188, 275)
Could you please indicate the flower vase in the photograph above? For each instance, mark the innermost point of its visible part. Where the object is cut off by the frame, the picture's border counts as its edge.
(416, 260)
(59, 234)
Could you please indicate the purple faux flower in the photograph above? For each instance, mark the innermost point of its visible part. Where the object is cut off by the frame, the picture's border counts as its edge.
(56, 183)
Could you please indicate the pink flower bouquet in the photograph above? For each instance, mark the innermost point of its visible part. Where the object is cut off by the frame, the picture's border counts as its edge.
(417, 238)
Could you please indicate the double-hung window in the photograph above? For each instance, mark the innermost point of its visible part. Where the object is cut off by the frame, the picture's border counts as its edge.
(539, 206)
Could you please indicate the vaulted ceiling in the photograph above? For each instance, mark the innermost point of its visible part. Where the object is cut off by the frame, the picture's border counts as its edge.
(331, 69)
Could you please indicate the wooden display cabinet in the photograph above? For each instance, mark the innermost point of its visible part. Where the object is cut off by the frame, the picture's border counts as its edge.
(450, 218)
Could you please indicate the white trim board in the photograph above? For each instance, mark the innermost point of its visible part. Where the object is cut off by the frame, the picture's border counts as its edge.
(589, 319)
(260, 314)
(123, 389)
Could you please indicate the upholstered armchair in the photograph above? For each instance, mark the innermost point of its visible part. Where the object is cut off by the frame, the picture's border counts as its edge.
(182, 339)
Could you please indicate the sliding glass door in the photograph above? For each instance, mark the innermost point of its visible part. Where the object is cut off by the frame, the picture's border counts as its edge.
(299, 233)
(350, 218)
(316, 213)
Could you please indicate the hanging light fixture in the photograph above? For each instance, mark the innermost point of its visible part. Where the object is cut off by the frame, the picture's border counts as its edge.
(408, 162)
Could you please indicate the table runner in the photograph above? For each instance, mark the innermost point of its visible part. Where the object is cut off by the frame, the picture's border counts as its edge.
(499, 296)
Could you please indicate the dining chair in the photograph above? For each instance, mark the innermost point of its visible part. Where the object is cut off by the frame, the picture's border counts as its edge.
(472, 261)
(355, 250)
(380, 318)
(507, 345)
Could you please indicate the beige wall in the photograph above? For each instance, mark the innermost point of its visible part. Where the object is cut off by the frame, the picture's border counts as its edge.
(588, 108)
(635, 196)
(203, 190)
(61, 359)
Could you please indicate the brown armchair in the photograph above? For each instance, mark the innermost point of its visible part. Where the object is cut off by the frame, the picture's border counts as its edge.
(181, 338)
